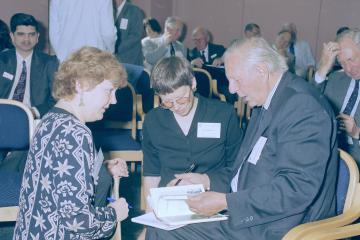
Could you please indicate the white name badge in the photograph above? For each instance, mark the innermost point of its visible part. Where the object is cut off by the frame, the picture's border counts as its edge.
(208, 130)
(8, 75)
(213, 56)
(124, 23)
(256, 151)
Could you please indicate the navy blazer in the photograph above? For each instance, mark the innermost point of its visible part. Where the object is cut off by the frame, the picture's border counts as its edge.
(43, 67)
(214, 51)
(294, 179)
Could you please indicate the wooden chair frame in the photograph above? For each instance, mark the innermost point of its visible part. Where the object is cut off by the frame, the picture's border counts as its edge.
(350, 213)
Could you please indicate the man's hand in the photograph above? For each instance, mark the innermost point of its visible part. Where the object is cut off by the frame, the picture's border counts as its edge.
(348, 124)
(117, 167)
(197, 62)
(217, 62)
(191, 178)
(207, 203)
(328, 55)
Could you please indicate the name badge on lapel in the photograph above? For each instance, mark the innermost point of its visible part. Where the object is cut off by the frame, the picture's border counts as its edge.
(208, 130)
(8, 75)
(213, 56)
(256, 151)
(124, 23)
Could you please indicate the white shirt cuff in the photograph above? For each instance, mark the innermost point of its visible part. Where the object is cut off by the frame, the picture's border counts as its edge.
(318, 78)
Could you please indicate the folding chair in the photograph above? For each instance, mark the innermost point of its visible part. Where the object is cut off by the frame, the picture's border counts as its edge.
(203, 82)
(16, 129)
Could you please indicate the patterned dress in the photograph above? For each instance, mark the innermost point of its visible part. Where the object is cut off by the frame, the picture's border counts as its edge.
(57, 192)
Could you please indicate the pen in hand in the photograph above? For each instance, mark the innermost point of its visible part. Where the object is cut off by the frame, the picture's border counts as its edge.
(192, 166)
(110, 200)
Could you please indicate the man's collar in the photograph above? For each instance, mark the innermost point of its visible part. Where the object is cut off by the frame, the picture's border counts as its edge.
(21, 58)
(272, 92)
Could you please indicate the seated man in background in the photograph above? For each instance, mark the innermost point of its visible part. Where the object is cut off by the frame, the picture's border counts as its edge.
(286, 170)
(342, 87)
(281, 45)
(26, 74)
(205, 52)
(252, 30)
(301, 50)
(165, 45)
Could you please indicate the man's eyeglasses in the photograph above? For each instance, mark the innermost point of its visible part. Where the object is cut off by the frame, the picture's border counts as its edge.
(167, 104)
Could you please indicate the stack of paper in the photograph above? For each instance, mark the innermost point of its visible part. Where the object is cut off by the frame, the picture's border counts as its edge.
(170, 209)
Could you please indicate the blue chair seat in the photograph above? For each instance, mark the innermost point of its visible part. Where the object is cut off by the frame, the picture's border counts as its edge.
(115, 140)
(10, 183)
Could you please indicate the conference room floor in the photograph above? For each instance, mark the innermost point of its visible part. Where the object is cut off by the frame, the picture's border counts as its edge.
(129, 188)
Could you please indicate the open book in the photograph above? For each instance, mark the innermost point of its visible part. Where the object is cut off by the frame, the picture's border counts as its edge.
(170, 207)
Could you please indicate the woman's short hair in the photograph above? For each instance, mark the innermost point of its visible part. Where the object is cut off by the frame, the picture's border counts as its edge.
(170, 73)
(153, 24)
(89, 66)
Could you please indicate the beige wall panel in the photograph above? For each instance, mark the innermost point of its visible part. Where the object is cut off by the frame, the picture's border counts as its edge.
(335, 14)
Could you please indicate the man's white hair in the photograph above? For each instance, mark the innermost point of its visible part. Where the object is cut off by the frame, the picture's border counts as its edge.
(257, 50)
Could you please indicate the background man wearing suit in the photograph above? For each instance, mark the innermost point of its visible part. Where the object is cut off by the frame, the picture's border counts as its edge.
(130, 30)
(286, 169)
(166, 45)
(204, 51)
(26, 74)
(342, 87)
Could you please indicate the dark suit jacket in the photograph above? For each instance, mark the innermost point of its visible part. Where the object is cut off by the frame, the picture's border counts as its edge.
(335, 90)
(294, 179)
(128, 43)
(42, 72)
(215, 51)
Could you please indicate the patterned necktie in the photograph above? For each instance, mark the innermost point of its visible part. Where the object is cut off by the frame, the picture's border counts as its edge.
(172, 50)
(20, 87)
(352, 100)
(202, 55)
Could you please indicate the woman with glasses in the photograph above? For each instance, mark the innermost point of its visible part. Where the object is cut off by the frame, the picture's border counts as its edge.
(187, 131)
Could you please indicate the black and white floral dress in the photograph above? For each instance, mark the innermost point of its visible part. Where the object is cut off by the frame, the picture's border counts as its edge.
(57, 192)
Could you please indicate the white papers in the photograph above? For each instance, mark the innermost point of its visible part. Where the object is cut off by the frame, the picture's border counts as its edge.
(97, 165)
(170, 210)
(150, 219)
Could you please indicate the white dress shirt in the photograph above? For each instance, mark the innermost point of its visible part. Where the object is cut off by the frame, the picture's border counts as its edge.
(19, 66)
(78, 23)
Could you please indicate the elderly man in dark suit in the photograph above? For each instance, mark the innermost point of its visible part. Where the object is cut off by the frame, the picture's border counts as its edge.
(342, 87)
(205, 52)
(26, 74)
(286, 169)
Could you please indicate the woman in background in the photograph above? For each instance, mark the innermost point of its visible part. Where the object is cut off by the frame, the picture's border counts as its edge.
(57, 193)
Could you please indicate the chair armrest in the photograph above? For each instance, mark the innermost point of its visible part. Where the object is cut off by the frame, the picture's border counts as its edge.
(216, 91)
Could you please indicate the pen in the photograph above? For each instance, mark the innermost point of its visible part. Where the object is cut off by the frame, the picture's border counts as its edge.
(110, 199)
(192, 166)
